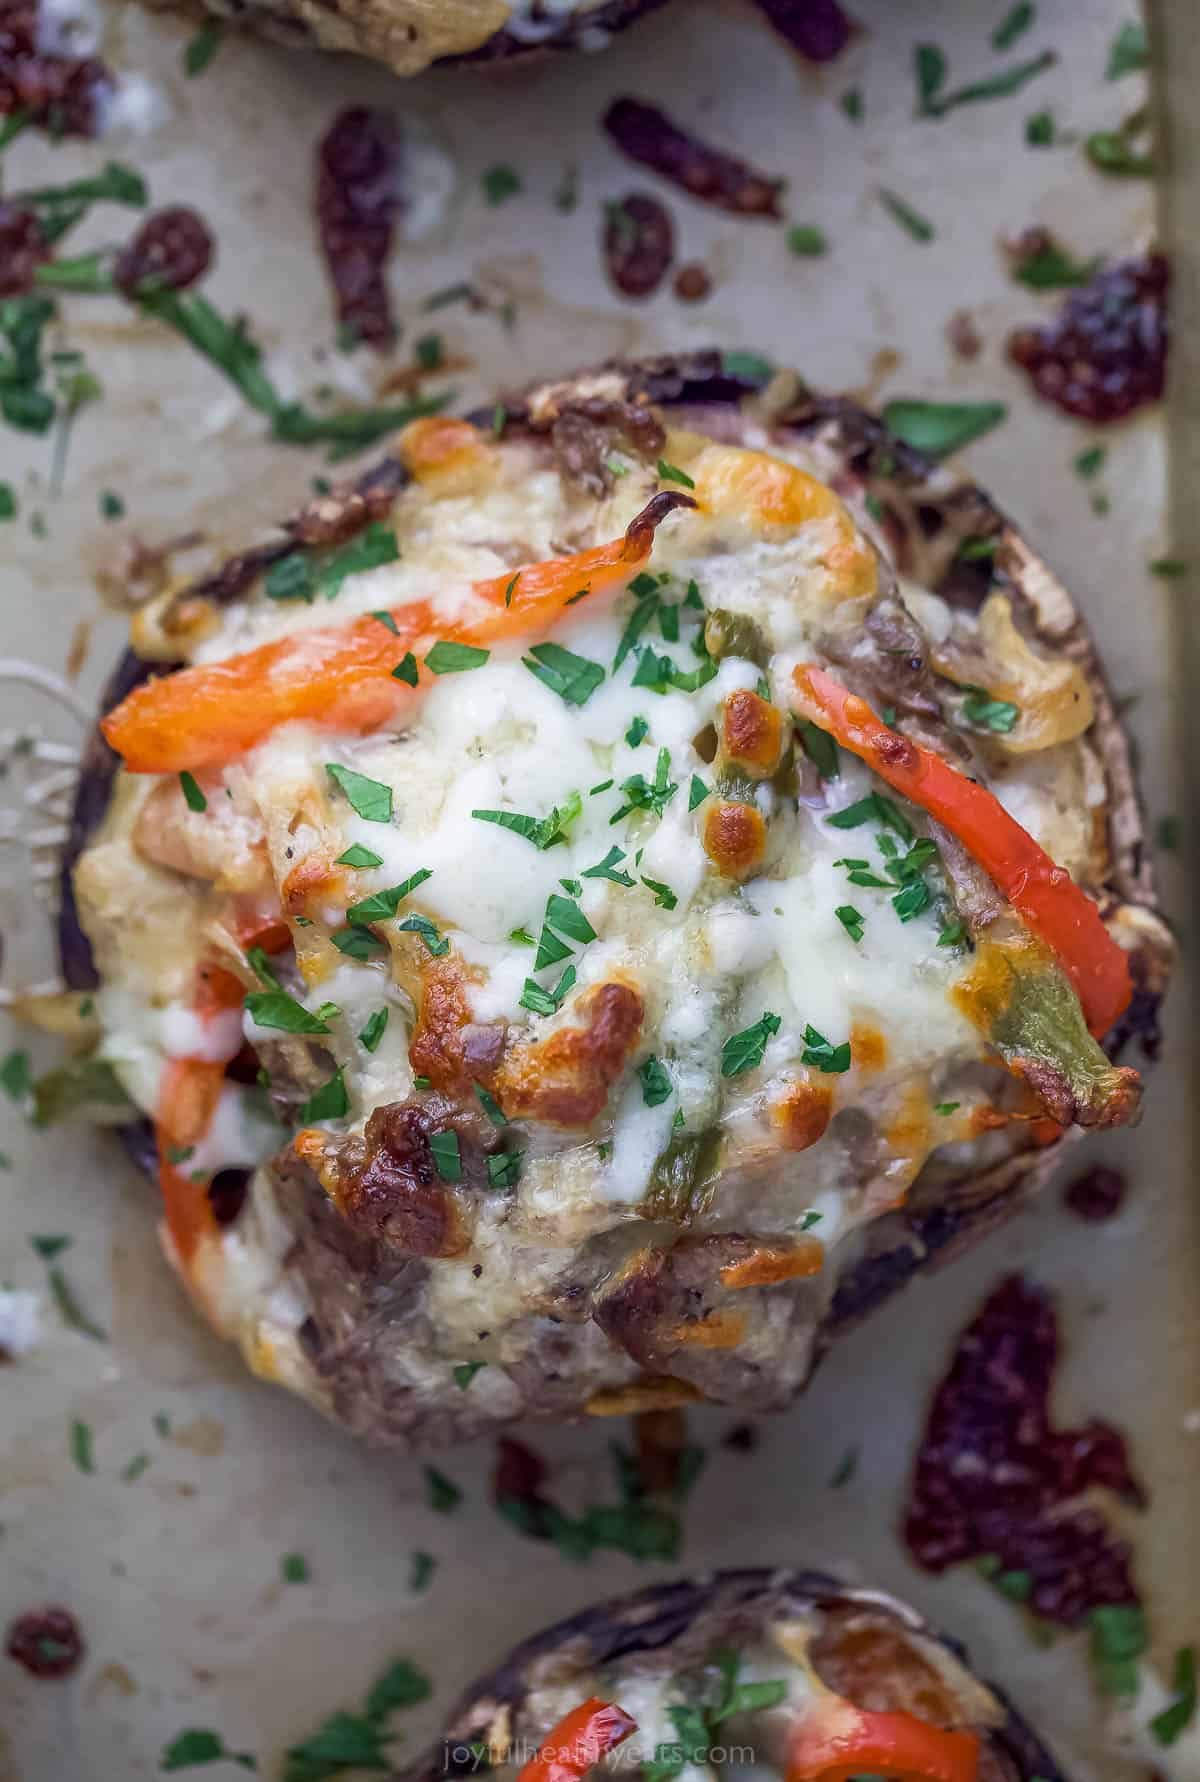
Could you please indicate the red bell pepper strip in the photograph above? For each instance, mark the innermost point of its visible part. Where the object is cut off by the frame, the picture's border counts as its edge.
(341, 676)
(578, 1742)
(838, 1741)
(1043, 894)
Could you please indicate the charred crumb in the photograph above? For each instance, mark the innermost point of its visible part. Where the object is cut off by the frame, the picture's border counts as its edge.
(1097, 1194)
(647, 135)
(743, 1438)
(693, 282)
(639, 243)
(819, 29)
(359, 163)
(47, 1642)
(1106, 353)
(963, 335)
(995, 1481)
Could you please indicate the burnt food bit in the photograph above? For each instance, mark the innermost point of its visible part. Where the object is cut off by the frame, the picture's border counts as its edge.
(358, 198)
(819, 29)
(994, 1482)
(693, 282)
(170, 252)
(639, 243)
(1106, 353)
(60, 93)
(646, 134)
(1097, 1194)
(48, 1642)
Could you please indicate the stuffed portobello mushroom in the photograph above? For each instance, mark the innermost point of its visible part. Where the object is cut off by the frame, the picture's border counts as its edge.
(409, 35)
(766, 1672)
(607, 897)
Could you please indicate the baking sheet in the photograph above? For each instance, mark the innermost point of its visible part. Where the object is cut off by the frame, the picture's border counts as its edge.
(175, 1576)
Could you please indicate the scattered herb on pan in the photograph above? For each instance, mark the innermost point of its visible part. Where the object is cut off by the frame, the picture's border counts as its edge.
(806, 241)
(993, 86)
(1117, 1638)
(1169, 568)
(197, 1745)
(62, 1292)
(1014, 24)
(845, 1469)
(110, 504)
(1049, 267)
(294, 1569)
(199, 50)
(1040, 130)
(81, 1445)
(1089, 462)
(919, 227)
(359, 1740)
(421, 1571)
(939, 428)
(443, 1494)
(500, 183)
(1115, 152)
(1128, 53)
(851, 103)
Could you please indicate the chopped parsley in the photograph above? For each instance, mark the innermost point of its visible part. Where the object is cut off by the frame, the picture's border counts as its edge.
(994, 86)
(851, 920)
(643, 795)
(1169, 568)
(199, 50)
(500, 183)
(919, 227)
(504, 1169)
(1040, 130)
(376, 546)
(196, 1746)
(874, 808)
(370, 799)
(293, 1569)
(851, 103)
(421, 1571)
(358, 943)
(429, 932)
(447, 657)
(382, 905)
(111, 506)
(820, 748)
(929, 67)
(656, 1084)
(565, 915)
(664, 897)
(938, 428)
(818, 1051)
(671, 473)
(275, 1008)
(429, 351)
(637, 732)
(986, 713)
(1089, 462)
(697, 792)
(357, 1741)
(744, 1051)
(845, 1469)
(807, 241)
(329, 1102)
(543, 832)
(81, 1445)
(1128, 53)
(1051, 268)
(465, 1372)
(1113, 152)
(133, 1469)
(406, 669)
(945, 1108)
(15, 1074)
(193, 797)
(1117, 1639)
(1014, 24)
(607, 868)
(546, 1002)
(374, 1030)
(358, 856)
(574, 678)
(444, 1494)
(261, 966)
(8, 502)
(443, 1147)
(491, 1106)
(1178, 1715)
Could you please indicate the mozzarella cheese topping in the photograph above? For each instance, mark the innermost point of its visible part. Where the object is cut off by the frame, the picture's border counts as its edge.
(796, 1012)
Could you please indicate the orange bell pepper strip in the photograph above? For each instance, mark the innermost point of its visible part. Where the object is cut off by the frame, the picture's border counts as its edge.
(1043, 894)
(578, 1742)
(341, 676)
(838, 1741)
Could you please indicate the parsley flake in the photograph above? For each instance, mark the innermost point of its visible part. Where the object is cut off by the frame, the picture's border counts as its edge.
(919, 227)
(504, 1169)
(806, 241)
(543, 832)
(546, 1002)
(671, 473)
(500, 183)
(938, 428)
(664, 897)
(851, 920)
(697, 792)
(465, 1372)
(359, 856)
(656, 1084)
(444, 1494)
(329, 1102)
(491, 1106)
(1014, 24)
(374, 1030)
(744, 1051)
(444, 1150)
(199, 50)
(193, 797)
(293, 1569)
(818, 1051)
(429, 932)
(382, 905)
(447, 657)
(406, 669)
(275, 1008)
(574, 678)
(606, 868)
(370, 799)
(637, 732)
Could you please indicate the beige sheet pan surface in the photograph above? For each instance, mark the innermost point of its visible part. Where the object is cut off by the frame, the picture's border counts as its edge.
(175, 1576)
